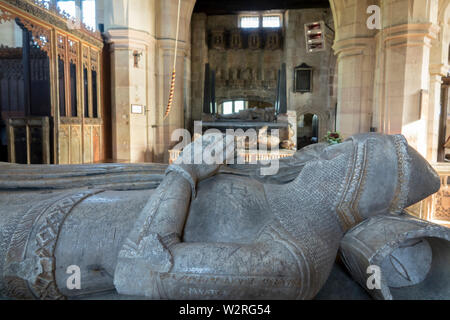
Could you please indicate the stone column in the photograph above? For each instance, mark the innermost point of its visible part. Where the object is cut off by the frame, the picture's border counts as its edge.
(199, 59)
(166, 22)
(130, 51)
(434, 111)
(439, 67)
(142, 36)
(405, 43)
(354, 47)
(355, 64)
(407, 80)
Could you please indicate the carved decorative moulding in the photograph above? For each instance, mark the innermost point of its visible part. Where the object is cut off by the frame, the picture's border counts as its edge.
(254, 40)
(273, 40)
(93, 121)
(94, 60)
(10, 53)
(70, 121)
(218, 39)
(41, 35)
(48, 12)
(236, 39)
(85, 57)
(73, 51)
(61, 43)
(442, 201)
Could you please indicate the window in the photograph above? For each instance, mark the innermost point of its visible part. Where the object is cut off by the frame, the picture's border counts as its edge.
(271, 21)
(239, 106)
(249, 22)
(67, 6)
(230, 107)
(88, 13)
(258, 20)
(45, 3)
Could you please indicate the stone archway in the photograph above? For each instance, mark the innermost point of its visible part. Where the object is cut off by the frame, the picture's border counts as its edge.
(322, 117)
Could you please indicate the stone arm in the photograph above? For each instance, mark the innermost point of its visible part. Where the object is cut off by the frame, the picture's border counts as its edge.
(155, 264)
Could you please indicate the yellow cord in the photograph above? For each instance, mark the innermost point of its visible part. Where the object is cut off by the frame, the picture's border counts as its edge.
(172, 85)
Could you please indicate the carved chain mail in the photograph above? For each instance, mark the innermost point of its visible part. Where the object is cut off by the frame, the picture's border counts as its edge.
(292, 229)
(330, 209)
(32, 243)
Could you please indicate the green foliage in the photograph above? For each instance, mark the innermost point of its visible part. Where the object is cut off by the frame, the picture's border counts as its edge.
(333, 138)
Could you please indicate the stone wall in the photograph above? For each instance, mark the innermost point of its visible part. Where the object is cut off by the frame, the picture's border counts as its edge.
(321, 101)
(245, 70)
(142, 34)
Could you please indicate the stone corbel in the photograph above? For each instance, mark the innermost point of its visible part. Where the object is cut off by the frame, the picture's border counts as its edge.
(352, 47)
(127, 39)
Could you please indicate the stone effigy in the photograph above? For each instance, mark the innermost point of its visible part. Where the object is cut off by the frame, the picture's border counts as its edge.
(205, 232)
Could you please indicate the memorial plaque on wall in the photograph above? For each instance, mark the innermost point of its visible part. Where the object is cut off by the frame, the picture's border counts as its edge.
(303, 78)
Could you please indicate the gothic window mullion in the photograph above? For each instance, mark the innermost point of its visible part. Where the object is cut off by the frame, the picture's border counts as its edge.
(86, 79)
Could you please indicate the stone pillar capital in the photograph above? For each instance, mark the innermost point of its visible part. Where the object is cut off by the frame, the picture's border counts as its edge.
(440, 70)
(352, 46)
(129, 39)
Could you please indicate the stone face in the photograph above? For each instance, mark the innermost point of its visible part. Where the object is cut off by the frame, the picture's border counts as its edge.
(207, 232)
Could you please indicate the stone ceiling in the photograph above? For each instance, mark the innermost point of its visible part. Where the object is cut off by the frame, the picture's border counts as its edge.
(233, 6)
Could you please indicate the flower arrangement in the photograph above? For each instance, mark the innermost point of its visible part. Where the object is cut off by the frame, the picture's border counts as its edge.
(333, 138)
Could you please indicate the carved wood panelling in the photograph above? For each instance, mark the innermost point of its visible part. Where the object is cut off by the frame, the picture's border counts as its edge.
(61, 43)
(76, 150)
(94, 59)
(41, 35)
(86, 55)
(73, 51)
(5, 16)
(78, 140)
(96, 143)
(53, 16)
(87, 144)
(64, 144)
(442, 201)
(436, 207)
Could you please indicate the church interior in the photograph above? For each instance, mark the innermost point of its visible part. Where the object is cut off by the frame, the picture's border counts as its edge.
(97, 82)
